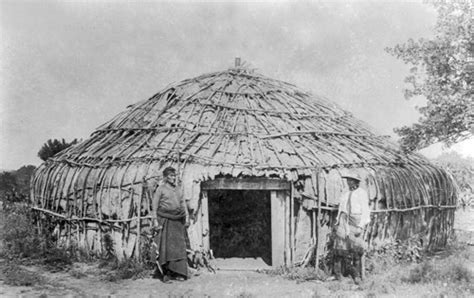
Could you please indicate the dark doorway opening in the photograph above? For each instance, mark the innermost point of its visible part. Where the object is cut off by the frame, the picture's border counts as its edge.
(240, 224)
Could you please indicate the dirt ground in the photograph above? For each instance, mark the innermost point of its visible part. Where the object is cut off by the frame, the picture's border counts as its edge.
(84, 280)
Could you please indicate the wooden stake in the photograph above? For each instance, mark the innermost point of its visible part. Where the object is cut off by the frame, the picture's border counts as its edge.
(292, 224)
(139, 220)
(287, 229)
(316, 218)
(205, 221)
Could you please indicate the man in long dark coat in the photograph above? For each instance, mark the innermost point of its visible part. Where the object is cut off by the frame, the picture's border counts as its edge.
(170, 210)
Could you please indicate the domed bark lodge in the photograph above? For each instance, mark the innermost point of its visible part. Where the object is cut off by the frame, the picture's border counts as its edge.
(260, 162)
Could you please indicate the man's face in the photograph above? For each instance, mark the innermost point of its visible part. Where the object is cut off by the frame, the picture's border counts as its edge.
(171, 178)
(352, 183)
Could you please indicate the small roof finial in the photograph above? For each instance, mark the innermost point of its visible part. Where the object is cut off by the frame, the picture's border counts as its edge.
(237, 61)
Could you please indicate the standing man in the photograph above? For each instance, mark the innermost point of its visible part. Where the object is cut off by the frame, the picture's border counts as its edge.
(352, 218)
(169, 210)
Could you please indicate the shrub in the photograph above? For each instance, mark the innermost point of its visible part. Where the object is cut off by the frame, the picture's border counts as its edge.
(57, 258)
(450, 270)
(125, 269)
(458, 272)
(22, 239)
(420, 273)
(20, 235)
(14, 275)
(77, 274)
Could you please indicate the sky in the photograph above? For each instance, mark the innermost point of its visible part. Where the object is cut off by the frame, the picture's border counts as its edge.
(67, 67)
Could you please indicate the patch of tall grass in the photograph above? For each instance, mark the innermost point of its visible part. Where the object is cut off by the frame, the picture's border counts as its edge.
(12, 274)
(299, 274)
(450, 270)
(116, 270)
(22, 239)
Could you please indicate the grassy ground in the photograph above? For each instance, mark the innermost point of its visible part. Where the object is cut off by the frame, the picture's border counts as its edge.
(446, 274)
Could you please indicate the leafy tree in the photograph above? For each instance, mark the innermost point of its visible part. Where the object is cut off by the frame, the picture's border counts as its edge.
(23, 177)
(15, 185)
(442, 72)
(8, 184)
(51, 147)
(462, 169)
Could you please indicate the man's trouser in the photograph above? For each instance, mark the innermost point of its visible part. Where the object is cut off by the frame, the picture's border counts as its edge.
(347, 263)
(348, 253)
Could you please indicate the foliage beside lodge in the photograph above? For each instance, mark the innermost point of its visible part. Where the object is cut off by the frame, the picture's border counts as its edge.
(442, 72)
(462, 169)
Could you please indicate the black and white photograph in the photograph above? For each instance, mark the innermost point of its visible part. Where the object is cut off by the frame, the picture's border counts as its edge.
(237, 148)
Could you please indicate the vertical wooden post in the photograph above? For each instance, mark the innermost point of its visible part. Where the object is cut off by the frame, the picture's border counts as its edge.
(205, 220)
(68, 236)
(314, 178)
(278, 228)
(139, 220)
(313, 213)
(292, 224)
(76, 215)
(99, 224)
(362, 266)
(287, 228)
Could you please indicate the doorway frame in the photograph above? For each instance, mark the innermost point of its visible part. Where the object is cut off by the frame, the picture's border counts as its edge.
(282, 206)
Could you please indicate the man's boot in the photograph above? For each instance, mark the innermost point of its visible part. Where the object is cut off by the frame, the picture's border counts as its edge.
(338, 268)
(156, 273)
(356, 269)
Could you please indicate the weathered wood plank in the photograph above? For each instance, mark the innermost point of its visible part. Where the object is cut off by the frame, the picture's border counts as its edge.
(205, 221)
(246, 183)
(278, 227)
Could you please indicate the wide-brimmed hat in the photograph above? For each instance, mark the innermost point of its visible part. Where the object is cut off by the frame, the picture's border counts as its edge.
(350, 175)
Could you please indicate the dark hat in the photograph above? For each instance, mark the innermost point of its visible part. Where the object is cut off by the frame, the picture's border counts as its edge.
(350, 175)
(169, 170)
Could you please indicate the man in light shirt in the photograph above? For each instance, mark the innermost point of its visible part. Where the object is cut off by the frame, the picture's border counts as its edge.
(352, 217)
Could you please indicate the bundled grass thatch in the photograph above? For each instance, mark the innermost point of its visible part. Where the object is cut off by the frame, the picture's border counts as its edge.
(237, 123)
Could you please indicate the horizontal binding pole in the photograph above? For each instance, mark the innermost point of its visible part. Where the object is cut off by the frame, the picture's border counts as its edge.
(335, 207)
(315, 132)
(395, 210)
(415, 208)
(246, 183)
(74, 218)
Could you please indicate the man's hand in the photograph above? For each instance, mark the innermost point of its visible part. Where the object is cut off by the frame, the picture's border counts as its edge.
(358, 232)
(192, 215)
(156, 228)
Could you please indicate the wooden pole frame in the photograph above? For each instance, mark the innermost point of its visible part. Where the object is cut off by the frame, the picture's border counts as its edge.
(258, 127)
(292, 225)
(315, 179)
(205, 232)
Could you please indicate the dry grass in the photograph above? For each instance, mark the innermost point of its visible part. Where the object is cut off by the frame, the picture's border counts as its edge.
(117, 270)
(394, 272)
(448, 272)
(298, 274)
(12, 274)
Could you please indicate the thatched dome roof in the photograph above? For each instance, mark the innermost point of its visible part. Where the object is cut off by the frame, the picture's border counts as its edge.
(235, 122)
